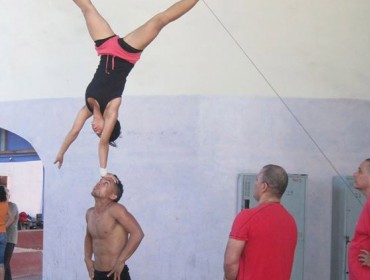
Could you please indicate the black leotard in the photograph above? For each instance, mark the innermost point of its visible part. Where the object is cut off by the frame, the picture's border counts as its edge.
(110, 76)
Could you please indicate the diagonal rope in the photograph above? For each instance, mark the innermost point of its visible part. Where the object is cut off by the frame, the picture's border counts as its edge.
(282, 101)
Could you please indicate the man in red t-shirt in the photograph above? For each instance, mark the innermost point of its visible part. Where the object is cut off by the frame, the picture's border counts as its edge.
(263, 239)
(359, 248)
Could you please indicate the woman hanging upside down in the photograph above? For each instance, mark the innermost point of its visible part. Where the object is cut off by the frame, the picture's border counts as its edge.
(117, 57)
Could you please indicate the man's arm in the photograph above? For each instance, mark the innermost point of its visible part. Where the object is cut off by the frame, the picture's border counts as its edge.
(88, 250)
(135, 232)
(80, 120)
(233, 251)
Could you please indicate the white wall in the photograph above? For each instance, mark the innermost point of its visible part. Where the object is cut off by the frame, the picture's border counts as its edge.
(313, 49)
(25, 182)
(179, 159)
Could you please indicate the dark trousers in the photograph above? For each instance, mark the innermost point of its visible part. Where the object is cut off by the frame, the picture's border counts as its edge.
(8, 255)
(102, 275)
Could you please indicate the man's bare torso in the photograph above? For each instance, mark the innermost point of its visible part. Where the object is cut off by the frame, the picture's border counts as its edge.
(108, 237)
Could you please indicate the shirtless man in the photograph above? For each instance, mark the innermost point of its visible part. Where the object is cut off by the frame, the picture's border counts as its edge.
(112, 233)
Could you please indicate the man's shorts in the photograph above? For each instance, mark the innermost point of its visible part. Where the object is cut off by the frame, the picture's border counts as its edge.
(102, 275)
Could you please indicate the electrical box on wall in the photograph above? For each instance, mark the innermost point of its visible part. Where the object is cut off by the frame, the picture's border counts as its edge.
(293, 200)
(346, 208)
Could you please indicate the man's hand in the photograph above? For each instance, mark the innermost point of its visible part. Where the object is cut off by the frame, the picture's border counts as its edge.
(90, 268)
(117, 270)
(59, 160)
(364, 257)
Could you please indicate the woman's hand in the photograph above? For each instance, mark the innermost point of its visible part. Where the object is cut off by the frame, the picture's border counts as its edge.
(59, 160)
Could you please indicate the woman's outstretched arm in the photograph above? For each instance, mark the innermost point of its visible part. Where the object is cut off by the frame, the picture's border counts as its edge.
(110, 119)
(80, 120)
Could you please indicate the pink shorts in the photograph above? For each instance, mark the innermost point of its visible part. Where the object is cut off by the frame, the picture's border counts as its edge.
(113, 48)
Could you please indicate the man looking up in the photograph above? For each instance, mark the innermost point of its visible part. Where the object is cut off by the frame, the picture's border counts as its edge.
(112, 233)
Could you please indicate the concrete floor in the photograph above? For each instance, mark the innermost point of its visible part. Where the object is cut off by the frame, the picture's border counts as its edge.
(26, 262)
(36, 277)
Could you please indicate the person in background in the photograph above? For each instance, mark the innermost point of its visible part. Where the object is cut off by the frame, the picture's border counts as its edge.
(12, 235)
(3, 238)
(263, 239)
(359, 247)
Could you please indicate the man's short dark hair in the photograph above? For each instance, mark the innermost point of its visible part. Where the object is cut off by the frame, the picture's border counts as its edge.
(118, 189)
(276, 177)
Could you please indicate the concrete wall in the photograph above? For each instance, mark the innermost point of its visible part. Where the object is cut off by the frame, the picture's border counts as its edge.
(179, 158)
(312, 49)
(25, 182)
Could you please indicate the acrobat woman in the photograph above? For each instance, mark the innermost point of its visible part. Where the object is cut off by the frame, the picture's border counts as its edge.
(117, 57)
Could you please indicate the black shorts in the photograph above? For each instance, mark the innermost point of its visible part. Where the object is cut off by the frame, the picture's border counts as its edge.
(102, 275)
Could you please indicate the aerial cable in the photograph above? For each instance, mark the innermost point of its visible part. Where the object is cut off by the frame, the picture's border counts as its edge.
(282, 100)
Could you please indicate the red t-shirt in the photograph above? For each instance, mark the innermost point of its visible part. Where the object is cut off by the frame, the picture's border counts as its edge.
(361, 240)
(270, 233)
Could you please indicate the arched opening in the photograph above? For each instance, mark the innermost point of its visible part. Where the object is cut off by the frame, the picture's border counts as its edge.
(22, 172)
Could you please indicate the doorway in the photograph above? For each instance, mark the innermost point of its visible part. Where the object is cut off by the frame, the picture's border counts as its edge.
(22, 172)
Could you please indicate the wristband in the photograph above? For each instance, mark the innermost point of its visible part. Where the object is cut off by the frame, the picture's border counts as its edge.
(103, 172)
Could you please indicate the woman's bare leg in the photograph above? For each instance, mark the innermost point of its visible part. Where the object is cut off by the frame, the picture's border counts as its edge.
(98, 27)
(145, 34)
